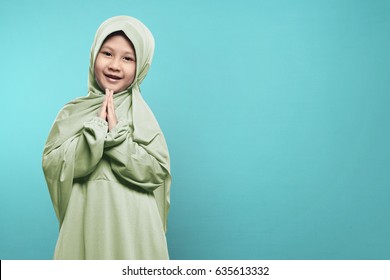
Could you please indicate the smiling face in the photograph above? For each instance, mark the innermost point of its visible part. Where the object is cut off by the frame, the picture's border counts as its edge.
(115, 64)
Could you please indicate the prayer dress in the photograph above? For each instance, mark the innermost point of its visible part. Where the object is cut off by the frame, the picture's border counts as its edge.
(110, 189)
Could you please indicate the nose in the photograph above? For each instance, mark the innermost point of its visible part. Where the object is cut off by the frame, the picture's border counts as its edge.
(114, 65)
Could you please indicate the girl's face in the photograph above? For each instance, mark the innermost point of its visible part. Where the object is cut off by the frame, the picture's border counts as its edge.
(115, 64)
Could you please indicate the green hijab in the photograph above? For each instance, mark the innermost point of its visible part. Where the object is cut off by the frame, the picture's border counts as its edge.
(70, 120)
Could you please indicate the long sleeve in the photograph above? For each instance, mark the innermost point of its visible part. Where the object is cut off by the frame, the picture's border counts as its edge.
(131, 161)
(90, 145)
(86, 149)
(76, 156)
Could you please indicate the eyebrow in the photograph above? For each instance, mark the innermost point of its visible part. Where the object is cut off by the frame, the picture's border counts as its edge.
(111, 49)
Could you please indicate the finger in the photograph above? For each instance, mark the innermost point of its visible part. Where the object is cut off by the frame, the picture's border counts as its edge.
(108, 99)
(111, 94)
(111, 116)
(111, 103)
(111, 111)
(108, 95)
(103, 109)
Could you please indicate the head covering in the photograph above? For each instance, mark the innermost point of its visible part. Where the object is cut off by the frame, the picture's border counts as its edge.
(129, 106)
(138, 34)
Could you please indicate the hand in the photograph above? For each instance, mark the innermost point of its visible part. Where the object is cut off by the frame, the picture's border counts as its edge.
(103, 108)
(111, 116)
(107, 111)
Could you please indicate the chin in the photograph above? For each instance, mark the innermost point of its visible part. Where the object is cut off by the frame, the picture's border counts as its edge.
(115, 89)
(119, 90)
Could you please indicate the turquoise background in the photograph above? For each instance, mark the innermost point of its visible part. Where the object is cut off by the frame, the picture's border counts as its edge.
(276, 114)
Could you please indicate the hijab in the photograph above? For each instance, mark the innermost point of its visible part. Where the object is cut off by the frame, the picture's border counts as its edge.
(129, 106)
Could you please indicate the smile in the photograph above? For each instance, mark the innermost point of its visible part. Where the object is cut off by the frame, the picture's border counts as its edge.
(112, 78)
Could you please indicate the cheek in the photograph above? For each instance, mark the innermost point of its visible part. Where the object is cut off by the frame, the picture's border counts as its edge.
(97, 66)
(130, 73)
(97, 72)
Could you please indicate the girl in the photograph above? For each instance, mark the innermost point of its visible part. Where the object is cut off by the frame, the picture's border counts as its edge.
(105, 161)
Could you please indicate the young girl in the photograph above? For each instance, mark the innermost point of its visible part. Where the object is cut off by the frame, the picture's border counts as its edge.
(105, 161)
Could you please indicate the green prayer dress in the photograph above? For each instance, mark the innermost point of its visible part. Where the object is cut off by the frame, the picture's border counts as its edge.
(110, 189)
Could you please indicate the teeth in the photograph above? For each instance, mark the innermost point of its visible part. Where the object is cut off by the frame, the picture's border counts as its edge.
(113, 77)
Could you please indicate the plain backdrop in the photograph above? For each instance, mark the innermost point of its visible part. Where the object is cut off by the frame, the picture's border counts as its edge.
(276, 114)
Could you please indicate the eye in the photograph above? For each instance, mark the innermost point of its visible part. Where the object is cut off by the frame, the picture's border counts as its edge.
(106, 53)
(128, 58)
